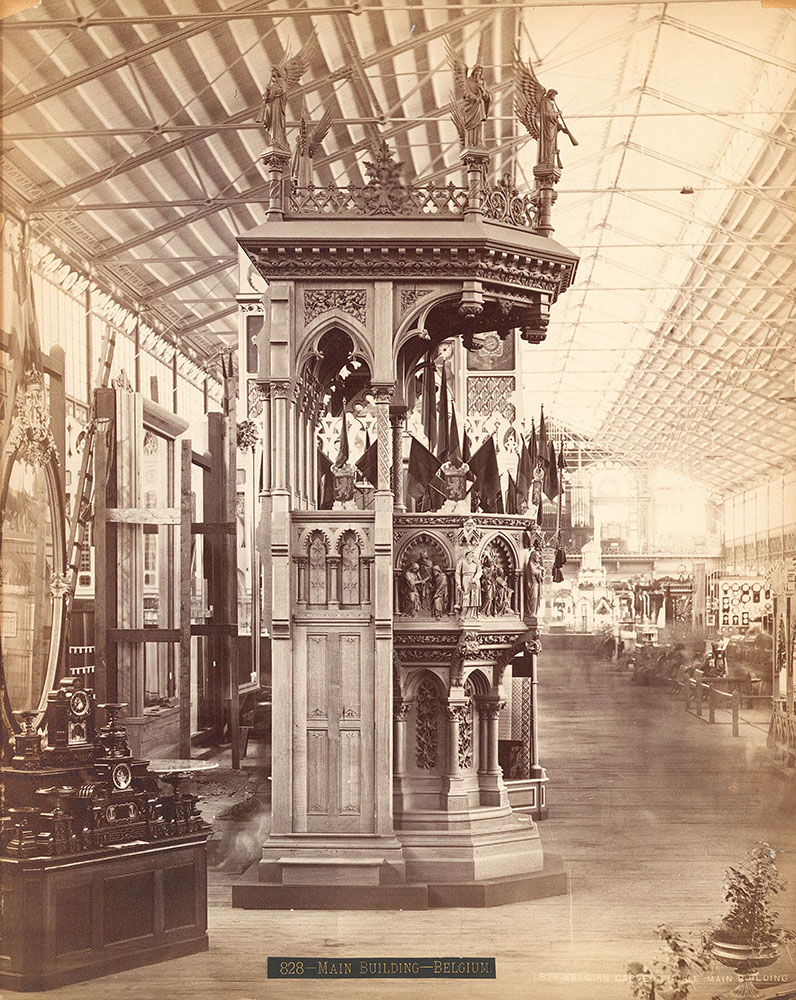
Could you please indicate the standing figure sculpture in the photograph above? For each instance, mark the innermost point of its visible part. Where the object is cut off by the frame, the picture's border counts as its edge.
(439, 591)
(468, 585)
(487, 587)
(502, 602)
(273, 109)
(471, 101)
(409, 593)
(425, 585)
(532, 577)
(536, 108)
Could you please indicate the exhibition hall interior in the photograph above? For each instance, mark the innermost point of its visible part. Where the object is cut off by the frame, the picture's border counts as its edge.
(398, 499)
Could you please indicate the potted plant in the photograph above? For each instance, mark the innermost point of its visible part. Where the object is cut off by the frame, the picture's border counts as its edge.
(671, 975)
(749, 936)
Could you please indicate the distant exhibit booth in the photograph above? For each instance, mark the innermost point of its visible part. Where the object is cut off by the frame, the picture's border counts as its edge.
(393, 621)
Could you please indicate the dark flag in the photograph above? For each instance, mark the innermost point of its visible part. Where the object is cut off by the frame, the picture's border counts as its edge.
(429, 404)
(368, 462)
(325, 483)
(466, 453)
(454, 449)
(342, 454)
(443, 420)
(484, 468)
(512, 506)
(532, 452)
(551, 487)
(524, 477)
(543, 454)
(423, 466)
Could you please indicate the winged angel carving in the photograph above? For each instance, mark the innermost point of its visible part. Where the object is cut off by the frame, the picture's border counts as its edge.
(471, 100)
(536, 108)
(273, 109)
(308, 143)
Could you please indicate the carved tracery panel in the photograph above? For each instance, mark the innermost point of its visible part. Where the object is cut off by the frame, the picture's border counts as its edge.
(427, 739)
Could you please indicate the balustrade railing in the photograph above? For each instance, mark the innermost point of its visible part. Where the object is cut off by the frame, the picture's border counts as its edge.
(504, 203)
(373, 200)
(499, 203)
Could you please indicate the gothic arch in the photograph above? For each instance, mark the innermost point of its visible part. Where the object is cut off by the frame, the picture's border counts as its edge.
(305, 537)
(334, 319)
(357, 532)
(430, 542)
(480, 683)
(505, 546)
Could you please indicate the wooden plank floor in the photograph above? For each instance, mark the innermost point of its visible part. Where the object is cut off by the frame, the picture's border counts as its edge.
(649, 806)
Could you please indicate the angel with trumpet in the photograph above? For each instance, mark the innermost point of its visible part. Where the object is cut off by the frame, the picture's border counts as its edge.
(536, 108)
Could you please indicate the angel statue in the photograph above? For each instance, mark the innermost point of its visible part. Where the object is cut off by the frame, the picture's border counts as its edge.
(273, 109)
(536, 108)
(471, 100)
(308, 143)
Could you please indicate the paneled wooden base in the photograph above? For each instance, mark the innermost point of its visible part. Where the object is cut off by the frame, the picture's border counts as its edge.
(73, 918)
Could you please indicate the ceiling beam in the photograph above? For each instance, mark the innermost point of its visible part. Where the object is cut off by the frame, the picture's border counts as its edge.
(133, 162)
(695, 31)
(116, 62)
(189, 280)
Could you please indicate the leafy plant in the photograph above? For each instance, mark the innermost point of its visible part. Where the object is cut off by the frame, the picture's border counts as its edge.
(748, 888)
(671, 975)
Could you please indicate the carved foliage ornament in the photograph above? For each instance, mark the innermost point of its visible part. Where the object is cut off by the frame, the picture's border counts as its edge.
(352, 301)
(515, 270)
(426, 742)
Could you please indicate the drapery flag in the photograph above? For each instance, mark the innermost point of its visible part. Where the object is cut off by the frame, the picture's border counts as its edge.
(551, 486)
(543, 452)
(429, 404)
(466, 452)
(423, 467)
(342, 454)
(484, 468)
(325, 483)
(524, 476)
(368, 462)
(512, 497)
(532, 445)
(454, 448)
(443, 420)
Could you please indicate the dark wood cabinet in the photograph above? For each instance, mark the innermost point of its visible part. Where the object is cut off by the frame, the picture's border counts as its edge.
(75, 917)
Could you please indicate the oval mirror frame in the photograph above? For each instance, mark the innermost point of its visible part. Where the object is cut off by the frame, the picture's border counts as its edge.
(58, 525)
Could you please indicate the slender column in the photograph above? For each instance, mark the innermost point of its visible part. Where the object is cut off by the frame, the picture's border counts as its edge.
(382, 396)
(475, 161)
(534, 648)
(483, 753)
(397, 422)
(399, 713)
(276, 162)
(455, 712)
(492, 713)
(280, 470)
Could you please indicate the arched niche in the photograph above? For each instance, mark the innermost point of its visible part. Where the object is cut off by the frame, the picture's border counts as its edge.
(349, 547)
(317, 576)
(338, 360)
(413, 546)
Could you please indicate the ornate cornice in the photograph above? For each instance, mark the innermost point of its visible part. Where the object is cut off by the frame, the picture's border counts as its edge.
(508, 269)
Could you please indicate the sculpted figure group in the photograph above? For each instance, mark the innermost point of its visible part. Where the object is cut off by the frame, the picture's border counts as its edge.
(423, 587)
(481, 588)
